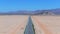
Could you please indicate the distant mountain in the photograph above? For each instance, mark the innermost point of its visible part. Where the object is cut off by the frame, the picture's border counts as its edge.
(36, 12)
(50, 12)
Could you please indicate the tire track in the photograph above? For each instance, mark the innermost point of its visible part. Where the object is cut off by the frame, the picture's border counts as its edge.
(42, 26)
(17, 28)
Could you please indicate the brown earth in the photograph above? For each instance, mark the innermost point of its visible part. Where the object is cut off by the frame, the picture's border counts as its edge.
(13, 24)
(46, 24)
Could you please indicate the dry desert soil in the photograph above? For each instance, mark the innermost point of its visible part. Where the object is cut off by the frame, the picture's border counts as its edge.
(16, 24)
(13, 24)
(46, 24)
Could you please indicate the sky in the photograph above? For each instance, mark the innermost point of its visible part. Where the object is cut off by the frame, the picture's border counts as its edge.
(14, 5)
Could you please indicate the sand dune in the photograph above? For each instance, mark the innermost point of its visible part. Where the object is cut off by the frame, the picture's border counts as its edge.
(13, 24)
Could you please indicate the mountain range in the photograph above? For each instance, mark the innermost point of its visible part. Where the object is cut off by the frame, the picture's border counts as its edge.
(36, 12)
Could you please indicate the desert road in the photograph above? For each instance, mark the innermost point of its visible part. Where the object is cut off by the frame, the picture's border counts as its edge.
(29, 27)
(20, 24)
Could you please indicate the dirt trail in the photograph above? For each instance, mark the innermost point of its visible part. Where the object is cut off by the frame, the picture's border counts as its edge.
(41, 26)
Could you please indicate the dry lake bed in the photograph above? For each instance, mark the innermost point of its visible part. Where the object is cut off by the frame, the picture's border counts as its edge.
(47, 24)
(13, 24)
(16, 24)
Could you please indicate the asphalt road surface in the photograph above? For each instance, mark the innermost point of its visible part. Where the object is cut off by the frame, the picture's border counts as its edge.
(29, 28)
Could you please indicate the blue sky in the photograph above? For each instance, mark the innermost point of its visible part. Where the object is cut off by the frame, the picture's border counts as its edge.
(13, 5)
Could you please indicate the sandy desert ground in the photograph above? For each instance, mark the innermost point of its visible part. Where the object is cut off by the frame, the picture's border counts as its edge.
(46, 24)
(13, 24)
(16, 24)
